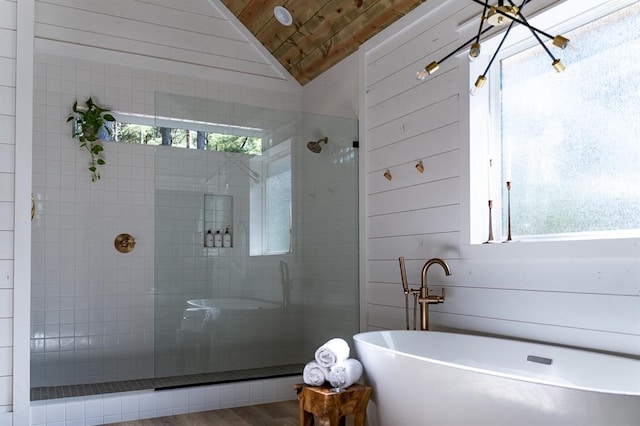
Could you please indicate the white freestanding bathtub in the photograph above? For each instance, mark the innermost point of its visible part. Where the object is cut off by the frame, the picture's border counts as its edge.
(435, 378)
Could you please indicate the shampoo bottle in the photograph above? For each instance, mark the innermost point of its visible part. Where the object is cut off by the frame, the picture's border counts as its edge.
(208, 239)
(226, 239)
(217, 239)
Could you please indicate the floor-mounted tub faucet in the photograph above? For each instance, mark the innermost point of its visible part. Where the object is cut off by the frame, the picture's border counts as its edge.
(425, 298)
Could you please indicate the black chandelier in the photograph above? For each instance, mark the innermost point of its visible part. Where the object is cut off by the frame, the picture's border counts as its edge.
(495, 16)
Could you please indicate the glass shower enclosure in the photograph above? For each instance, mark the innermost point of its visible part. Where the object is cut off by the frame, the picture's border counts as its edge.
(276, 277)
(249, 302)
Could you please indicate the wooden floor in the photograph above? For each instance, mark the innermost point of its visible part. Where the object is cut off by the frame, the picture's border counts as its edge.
(274, 414)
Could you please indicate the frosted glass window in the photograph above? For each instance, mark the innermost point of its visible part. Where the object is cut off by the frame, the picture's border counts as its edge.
(278, 201)
(271, 202)
(573, 136)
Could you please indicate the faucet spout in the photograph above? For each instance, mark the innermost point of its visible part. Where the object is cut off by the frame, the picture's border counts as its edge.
(428, 264)
(425, 298)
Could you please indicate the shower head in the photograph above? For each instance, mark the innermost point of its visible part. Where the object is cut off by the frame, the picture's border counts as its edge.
(314, 146)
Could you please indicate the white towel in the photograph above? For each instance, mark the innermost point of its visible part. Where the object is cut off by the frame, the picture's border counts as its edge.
(314, 375)
(332, 352)
(347, 372)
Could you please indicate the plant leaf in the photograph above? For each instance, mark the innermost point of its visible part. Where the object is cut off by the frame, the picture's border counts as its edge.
(90, 122)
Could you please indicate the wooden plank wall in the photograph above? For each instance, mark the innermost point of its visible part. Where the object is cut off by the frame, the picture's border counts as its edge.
(584, 294)
(189, 32)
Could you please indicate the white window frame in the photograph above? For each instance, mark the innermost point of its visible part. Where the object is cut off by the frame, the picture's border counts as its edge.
(259, 230)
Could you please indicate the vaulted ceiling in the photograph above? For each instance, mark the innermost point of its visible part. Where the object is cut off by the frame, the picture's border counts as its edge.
(323, 31)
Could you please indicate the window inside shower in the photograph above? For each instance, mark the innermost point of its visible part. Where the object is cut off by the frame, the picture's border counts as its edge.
(190, 134)
(271, 202)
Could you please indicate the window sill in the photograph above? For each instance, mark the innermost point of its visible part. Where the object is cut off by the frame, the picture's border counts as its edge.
(545, 248)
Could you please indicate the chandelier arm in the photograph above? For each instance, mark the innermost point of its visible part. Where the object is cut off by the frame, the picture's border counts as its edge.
(535, 34)
(504, 37)
(462, 46)
(518, 20)
(484, 12)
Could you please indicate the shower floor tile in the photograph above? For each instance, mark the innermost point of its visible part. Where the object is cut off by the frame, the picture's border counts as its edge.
(66, 391)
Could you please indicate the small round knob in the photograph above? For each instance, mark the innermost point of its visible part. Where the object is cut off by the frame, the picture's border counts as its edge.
(124, 243)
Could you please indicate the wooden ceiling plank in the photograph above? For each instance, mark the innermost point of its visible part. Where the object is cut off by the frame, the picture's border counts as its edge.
(236, 6)
(274, 34)
(257, 14)
(347, 41)
(328, 22)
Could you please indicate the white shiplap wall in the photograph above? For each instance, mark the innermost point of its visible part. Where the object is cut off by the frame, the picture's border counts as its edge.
(8, 22)
(199, 37)
(334, 92)
(584, 294)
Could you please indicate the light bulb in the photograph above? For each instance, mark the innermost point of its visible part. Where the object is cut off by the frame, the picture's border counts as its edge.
(428, 70)
(478, 85)
(558, 65)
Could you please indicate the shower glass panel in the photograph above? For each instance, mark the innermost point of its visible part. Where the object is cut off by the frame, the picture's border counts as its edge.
(287, 278)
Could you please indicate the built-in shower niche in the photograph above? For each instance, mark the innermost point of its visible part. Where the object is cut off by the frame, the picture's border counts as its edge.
(218, 221)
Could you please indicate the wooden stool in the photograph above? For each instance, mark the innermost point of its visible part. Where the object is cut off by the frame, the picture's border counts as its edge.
(331, 407)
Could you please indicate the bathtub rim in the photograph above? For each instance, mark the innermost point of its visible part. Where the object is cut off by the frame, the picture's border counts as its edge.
(359, 339)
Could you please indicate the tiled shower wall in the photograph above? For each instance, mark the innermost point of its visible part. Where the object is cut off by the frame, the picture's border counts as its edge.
(92, 307)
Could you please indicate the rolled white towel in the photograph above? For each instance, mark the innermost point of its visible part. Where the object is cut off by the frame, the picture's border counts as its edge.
(332, 352)
(313, 374)
(348, 372)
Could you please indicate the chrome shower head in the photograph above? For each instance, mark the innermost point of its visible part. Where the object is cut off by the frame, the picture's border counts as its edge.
(314, 146)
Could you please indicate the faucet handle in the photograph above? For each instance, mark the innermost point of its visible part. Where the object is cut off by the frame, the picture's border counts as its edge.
(437, 298)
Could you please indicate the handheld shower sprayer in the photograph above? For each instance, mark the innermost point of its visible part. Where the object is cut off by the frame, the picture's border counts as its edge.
(408, 291)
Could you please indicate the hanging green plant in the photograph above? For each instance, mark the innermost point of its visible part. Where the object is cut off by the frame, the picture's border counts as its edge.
(87, 126)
